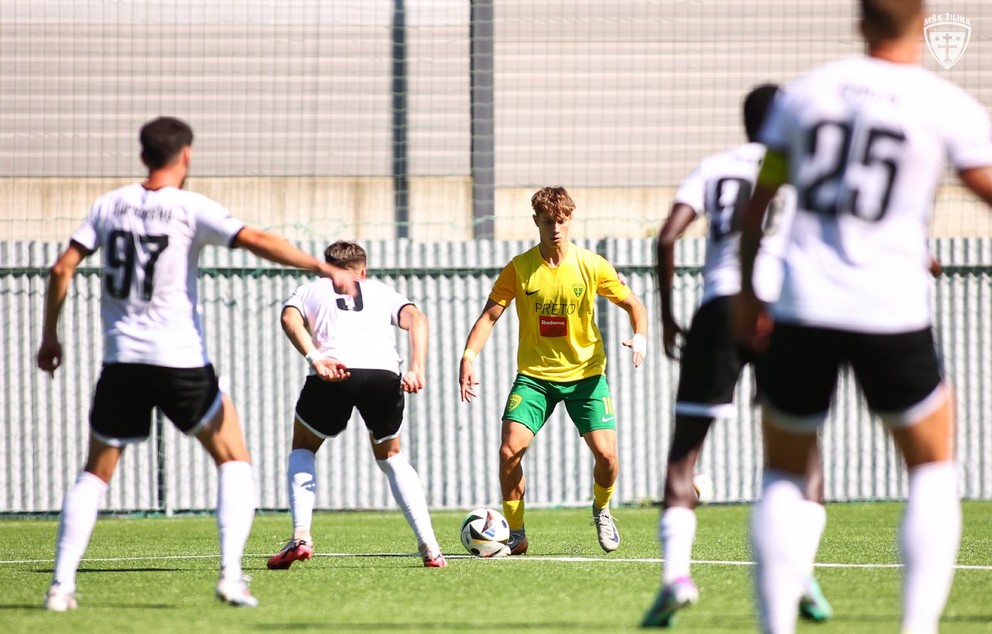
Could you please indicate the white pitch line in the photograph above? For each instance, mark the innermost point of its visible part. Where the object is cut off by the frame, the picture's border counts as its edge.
(625, 560)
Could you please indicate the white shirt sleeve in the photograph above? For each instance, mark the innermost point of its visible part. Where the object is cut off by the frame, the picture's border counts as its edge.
(968, 134)
(396, 303)
(215, 224)
(86, 233)
(297, 300)
(692, 190)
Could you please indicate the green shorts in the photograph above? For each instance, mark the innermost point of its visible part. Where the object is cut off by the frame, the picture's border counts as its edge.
(588, 402)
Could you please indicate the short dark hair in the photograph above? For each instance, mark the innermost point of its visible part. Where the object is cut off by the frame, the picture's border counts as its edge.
(889, 19)
(757, 103)
(163, 139)
(347, 255)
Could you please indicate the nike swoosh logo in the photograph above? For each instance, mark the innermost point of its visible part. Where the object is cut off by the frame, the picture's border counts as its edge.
(531, 292)
(607, 419)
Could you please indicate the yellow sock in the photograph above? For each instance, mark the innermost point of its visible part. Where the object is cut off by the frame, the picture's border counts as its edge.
(513, 510)
(601, 495)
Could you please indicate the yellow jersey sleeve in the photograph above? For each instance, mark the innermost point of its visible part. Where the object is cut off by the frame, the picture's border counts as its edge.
(505, 288)
(608, 282)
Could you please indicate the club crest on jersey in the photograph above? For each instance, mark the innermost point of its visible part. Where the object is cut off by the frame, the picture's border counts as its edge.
(578, 290)
(947, 37)
(513, 402)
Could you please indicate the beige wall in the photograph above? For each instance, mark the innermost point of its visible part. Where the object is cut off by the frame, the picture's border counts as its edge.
(48, 209)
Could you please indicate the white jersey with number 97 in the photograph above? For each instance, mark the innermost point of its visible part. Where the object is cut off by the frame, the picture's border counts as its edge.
(867, 141)
(151, 242)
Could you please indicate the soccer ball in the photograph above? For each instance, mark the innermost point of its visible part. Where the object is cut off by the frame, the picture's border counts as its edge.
(703, 485)
(485, 533)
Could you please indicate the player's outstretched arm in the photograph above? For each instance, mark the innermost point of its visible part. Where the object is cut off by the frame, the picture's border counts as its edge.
(50, 350)
(477, 338)
(678, 220)
(295, 327)
(279, 250)
(979, 181)
(639, 324)
(414, 321)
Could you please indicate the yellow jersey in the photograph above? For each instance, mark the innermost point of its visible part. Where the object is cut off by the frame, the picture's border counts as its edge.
(559, 340)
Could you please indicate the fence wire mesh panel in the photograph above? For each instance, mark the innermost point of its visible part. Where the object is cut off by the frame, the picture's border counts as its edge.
(421, 128)
(453, 444)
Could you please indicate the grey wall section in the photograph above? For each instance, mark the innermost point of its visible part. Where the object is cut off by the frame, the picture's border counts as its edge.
(452, 444)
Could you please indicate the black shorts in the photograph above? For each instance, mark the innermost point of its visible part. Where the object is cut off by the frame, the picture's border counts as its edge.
(797, 375)
(325, 407)
(127, 392)
(711, 363)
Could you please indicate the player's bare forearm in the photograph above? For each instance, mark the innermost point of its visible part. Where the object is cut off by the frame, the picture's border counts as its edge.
(477, 338)
(638, 315)
(750, 320)
(295, 328)
(771, 176)
(678, 220)
(275, 249)
(979, 181)
(748, 324)
(414, 321)
(58, 288)
(60, 275)
(483, 327)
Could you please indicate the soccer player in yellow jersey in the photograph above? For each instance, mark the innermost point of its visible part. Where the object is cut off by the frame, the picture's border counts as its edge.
(560, 357)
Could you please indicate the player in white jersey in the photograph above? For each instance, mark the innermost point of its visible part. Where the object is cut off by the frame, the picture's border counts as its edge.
(350, 344)
(711, 360)
(864, 142)
(151, 235)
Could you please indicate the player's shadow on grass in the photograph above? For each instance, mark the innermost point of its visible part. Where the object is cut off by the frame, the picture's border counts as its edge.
(340, 559)
(421, 626)
(93, 606)
(971, 618)
(90, 571)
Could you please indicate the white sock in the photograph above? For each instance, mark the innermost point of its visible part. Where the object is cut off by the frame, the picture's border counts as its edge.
(235, 513)
(409, 494)
(776, 527)
(302, 491)
(931, 533)
(79, 510)
(814, 521)
(677, 534)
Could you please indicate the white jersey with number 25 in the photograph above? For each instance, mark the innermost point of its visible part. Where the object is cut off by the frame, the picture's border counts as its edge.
(867, 142)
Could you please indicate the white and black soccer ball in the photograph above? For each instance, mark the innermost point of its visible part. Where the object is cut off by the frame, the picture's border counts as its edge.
(705, 489)
(485, 532)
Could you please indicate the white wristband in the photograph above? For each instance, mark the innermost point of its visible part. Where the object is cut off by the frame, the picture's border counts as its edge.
(639, 343)
(313, 356)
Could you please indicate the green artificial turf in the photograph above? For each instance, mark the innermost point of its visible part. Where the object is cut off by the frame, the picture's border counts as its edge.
(157, 575)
